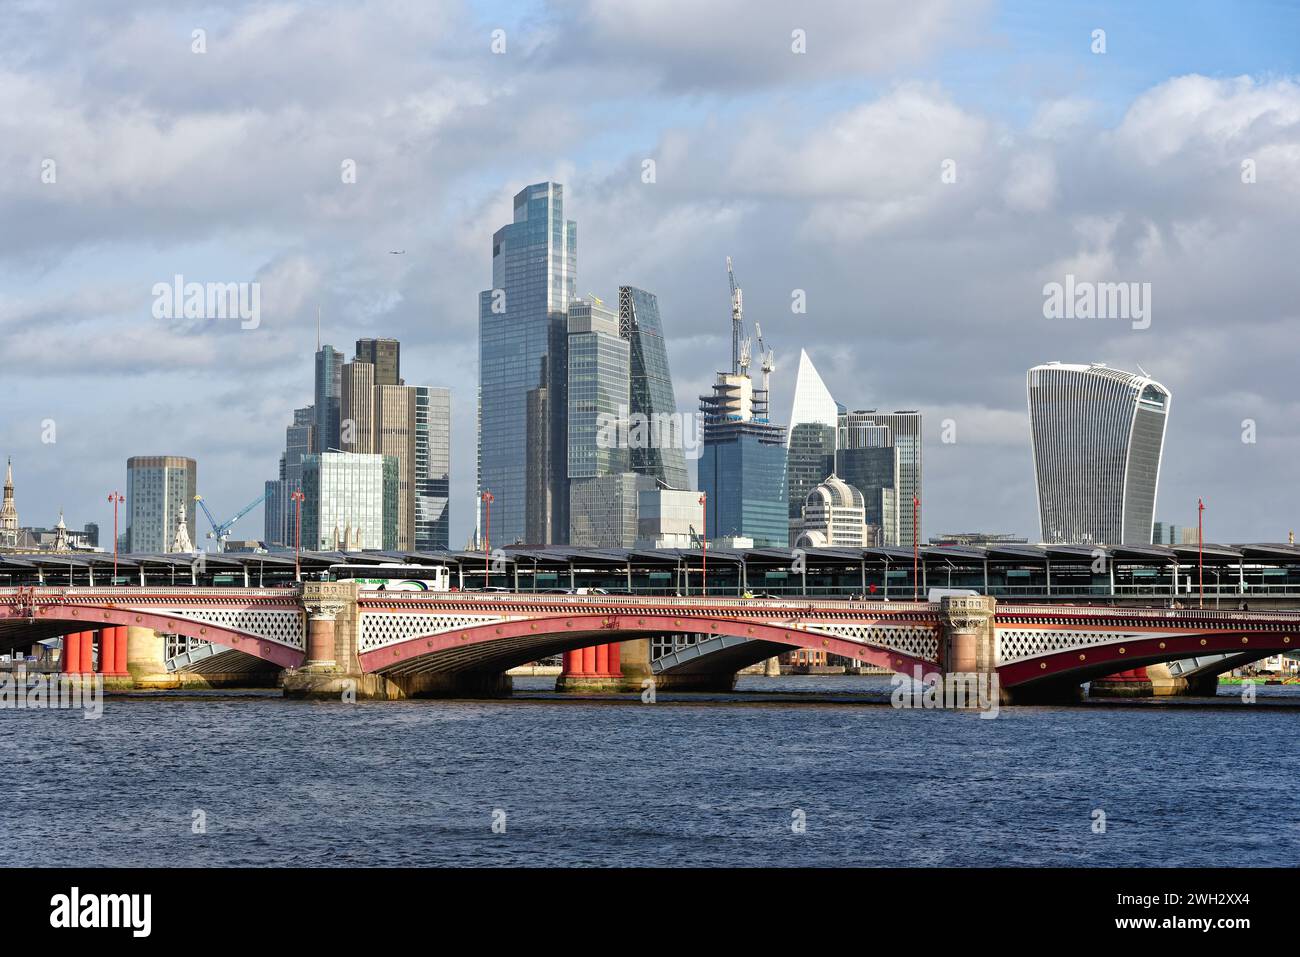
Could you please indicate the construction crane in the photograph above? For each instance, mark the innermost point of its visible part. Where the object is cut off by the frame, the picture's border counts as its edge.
(737, 320)
(221, 530)
(767, 358)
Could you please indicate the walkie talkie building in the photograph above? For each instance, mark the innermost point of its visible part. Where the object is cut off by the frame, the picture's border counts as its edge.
(1098, 434)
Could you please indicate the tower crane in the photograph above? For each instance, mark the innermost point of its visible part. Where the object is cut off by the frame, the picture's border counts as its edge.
(221, 530)
(737, 320)
(767, 358)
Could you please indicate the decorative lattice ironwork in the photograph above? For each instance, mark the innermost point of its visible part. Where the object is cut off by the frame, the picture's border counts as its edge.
(282, 626)
(1017, 644)
(381, 629)
(917, 641)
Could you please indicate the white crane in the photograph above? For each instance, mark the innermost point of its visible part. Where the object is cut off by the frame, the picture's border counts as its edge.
(767, 358)
(737, 320)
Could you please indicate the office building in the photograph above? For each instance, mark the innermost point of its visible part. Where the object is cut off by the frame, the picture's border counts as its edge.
(523, 332)
(814, 421)
(668, 518)
(833, 515)
(742, 467)
(1097, 438)
(329, 373)
(160, 489)
(874, 471)
(386, 356)
(605, 509)
(278, 525)
(658, 445)
(411, 425)
(349, 501)
(901, 430)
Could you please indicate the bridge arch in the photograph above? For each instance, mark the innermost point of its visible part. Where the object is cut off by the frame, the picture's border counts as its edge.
(49, 619)
(500, 645)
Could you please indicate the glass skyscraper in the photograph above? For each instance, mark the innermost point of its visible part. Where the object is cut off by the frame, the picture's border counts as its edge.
(866, 429)
(742, 468)
(651, 389)
(814, 422)
(1098, 435)
(523, 331)
(598, 392)
(329, 384)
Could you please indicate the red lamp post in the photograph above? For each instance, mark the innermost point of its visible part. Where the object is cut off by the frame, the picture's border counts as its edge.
(704, 544)
(116, 498)
(297, 497)
(916, 549)
(1200, 549)
(488, 498)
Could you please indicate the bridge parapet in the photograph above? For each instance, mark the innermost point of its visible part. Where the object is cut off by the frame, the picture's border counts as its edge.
(331, 625)
(969, 635)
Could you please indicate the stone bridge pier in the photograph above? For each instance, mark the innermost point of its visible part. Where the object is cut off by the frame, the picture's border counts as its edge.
(333, 670)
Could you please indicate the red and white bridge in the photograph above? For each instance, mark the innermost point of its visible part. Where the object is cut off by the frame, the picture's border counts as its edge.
(405, 638)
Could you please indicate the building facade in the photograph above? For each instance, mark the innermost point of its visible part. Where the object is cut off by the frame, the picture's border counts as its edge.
(743, 464)
(833, 515)
(159, 489)
(874, 472)
(812, 440)
(1097, 439)
(386, 356)
(902, 430)
(329, 375)
(349, 501)
(523, 330)
(669, 518)
(661, 450)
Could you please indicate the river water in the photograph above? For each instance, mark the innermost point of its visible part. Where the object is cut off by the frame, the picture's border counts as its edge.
(790, 771)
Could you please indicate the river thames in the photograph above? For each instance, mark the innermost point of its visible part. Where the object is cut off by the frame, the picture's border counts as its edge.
(793, 771)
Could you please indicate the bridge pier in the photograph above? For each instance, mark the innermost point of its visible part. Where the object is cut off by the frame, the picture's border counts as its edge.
(146, 660)
(594, 668)
(1133, 683)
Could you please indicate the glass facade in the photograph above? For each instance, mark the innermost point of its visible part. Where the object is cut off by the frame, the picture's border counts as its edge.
(651, 389)
(902, 430)
(811, 461)
(604, 509)
(158, 488)
(742, 471)
(874, 471)
(1097, 439)
(329, 373)
(432, 468)
(346, 491)
(522, 327)
(597, 392)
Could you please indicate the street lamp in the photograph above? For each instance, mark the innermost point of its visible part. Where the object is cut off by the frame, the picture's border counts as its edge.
(1200, 548)
(916, 550)
(297, 497)
(116, 498)
(704, 543)
(488, 498)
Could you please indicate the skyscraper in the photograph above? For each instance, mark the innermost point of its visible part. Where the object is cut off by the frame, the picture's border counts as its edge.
(863, 429)
(329, 372)
(299, 440)
(742, 468)
(814, 421)
(411, 425)
(386, 356)
(1098, 435)
(651, 390)
(159, 489)
(523, 330)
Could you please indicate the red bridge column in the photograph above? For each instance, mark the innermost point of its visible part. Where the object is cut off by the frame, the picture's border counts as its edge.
(1134, 683)
(70, 663)
(119, 656)
(87, 665)
(595, 668)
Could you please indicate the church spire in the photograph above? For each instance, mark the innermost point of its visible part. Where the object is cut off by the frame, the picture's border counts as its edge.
(9, 511)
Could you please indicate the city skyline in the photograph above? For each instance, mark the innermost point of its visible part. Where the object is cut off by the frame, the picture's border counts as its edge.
(899, 313)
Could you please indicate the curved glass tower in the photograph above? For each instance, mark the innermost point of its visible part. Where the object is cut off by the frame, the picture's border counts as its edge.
(1098, 434)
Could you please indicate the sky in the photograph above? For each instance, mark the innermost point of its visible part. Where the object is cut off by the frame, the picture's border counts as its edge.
(920, 172)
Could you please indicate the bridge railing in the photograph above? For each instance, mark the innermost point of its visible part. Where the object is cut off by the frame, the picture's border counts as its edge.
(119, 591)
(1154, 614)
(641, 601)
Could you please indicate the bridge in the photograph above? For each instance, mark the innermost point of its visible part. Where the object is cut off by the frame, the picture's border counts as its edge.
(330, 638)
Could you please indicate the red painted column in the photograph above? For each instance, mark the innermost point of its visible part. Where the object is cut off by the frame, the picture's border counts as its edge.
(71, 653)
(107, 650)
(602, 659)
(119, 658)
(87, 666)
(615, 658)
(597, 661)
